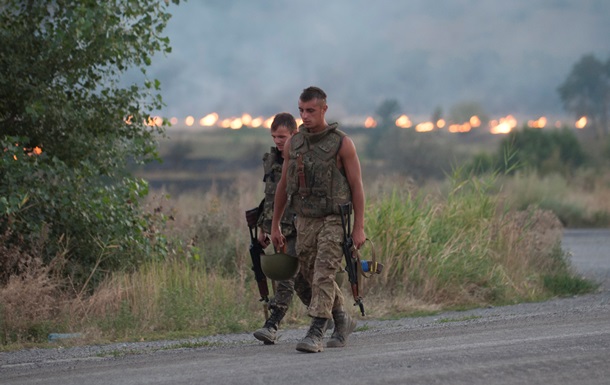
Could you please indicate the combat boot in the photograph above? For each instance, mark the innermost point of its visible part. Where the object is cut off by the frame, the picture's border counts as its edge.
(268, 333)
(344, 326)
(312, 343)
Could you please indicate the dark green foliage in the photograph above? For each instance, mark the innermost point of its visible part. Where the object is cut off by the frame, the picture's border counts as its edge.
(566, 284)
(544, 151)
(63, 64)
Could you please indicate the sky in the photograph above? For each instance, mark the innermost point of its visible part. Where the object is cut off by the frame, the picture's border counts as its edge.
(256, 56)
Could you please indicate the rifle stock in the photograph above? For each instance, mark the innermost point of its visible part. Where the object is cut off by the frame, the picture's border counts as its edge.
(351, 263)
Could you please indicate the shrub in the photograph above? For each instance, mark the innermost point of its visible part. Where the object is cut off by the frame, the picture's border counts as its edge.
(546, 151)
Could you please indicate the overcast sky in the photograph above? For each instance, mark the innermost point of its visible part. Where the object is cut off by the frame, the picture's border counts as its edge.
(255, 56)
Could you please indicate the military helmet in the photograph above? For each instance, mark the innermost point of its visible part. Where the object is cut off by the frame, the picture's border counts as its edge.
(279, 266)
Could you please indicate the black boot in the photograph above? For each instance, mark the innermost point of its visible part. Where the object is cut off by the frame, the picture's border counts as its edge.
(344, 326)
(268, 333)
(312, 343)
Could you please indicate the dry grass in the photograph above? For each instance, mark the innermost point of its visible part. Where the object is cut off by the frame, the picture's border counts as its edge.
(579, 201)
(443, 248)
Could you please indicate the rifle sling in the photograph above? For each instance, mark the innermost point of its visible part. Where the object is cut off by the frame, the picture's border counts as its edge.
(301, 173)
(373, 266)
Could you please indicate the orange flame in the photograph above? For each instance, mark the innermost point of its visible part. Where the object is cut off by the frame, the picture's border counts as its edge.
(246, 119)
(538, 123)
(424, 127)
(189, 121)
(369, 122)
(503, 126)
(208, 120)
(257, 122)
(403, 121)
(581, 123)
(475, 121)
(267, 123)
(455, 128)
(236, 124)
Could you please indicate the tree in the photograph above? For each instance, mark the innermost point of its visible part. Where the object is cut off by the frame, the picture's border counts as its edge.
(69, 126)
(463, 111)
(387, 113)
(586, 92)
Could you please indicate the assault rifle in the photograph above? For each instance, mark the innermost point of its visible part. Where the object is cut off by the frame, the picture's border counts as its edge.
(256, 250)
(351, 262)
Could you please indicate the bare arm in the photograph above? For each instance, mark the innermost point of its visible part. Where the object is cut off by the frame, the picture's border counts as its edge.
(279, 204)
(351, 164)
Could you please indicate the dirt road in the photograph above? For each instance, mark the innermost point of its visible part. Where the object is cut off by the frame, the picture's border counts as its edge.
(562, 341)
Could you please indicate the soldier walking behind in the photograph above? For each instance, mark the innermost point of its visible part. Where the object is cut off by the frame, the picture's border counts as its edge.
(322, 172)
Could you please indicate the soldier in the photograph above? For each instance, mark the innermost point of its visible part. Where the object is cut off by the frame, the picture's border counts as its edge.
(282, 128)
(322, 171)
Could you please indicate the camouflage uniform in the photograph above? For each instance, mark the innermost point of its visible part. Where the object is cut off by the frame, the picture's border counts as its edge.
(315, 188)
(272, 166)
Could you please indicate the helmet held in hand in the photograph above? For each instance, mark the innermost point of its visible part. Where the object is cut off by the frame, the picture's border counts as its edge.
(279, 266)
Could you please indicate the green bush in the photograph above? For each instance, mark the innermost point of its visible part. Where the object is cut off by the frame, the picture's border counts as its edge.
(546, 151)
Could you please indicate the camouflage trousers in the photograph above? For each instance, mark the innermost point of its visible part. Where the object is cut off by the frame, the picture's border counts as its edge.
(285, 290)
(320, 254)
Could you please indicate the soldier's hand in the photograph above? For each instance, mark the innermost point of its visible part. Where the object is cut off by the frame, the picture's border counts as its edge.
(277, 238)
(358, 237)
(263, 239)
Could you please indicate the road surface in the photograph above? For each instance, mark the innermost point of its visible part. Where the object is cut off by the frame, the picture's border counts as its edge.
(562, 341)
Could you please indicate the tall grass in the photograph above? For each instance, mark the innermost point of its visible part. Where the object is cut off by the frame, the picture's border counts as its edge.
(454, 246)
(463, 248)
(172, 297)
(578, 200)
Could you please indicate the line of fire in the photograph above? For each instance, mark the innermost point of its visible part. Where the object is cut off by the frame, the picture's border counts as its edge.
(503, 125)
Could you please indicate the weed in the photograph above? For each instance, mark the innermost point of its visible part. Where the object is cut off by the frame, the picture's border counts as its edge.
(566, 285)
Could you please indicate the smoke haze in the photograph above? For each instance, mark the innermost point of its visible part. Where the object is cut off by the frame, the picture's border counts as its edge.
(236, 56)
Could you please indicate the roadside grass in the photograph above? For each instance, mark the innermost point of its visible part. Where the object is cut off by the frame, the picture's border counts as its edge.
(565, 285)
(578, 201)
(461, 319)
(457, 245)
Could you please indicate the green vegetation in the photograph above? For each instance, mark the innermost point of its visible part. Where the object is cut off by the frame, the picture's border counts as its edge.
(578, 201)
(455, 249)
(586, 92)
(543, 151)
(85, 247)
(464, 248)
(69, 128)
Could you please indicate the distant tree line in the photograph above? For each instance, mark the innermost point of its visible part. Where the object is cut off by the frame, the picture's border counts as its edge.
(586, 92)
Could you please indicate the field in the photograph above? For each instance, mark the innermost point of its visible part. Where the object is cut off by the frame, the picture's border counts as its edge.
(449, 240)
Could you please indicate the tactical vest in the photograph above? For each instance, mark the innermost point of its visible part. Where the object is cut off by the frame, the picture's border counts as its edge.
(315, 185)
(272, 168)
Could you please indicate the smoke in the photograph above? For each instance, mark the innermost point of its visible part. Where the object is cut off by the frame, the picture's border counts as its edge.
(236, 56)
